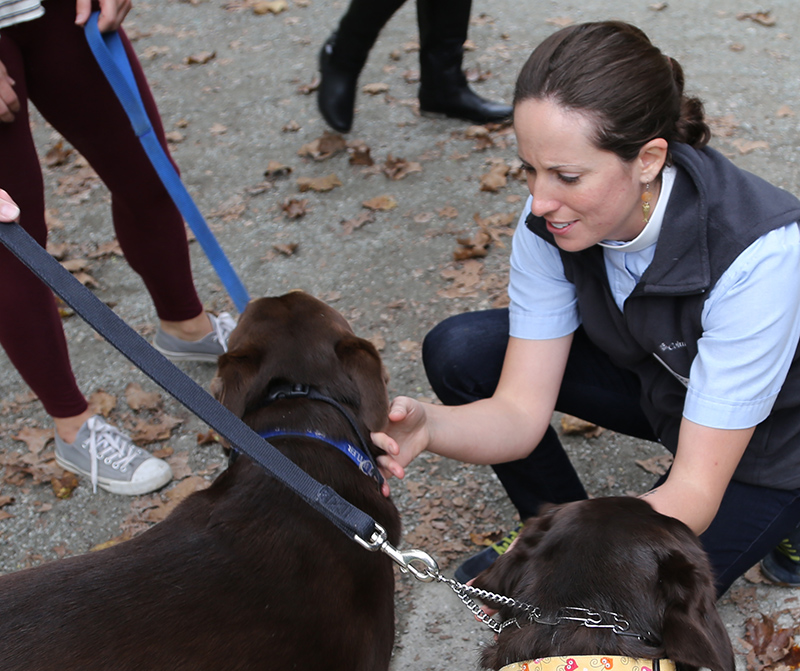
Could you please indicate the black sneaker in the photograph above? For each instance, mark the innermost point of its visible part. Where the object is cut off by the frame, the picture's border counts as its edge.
(782, 565)
(484, 559)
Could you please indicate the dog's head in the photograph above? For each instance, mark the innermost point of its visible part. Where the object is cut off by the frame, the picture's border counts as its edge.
(297, 339)
(614, 554)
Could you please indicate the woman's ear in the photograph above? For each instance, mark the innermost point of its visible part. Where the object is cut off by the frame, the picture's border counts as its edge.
(652, 157)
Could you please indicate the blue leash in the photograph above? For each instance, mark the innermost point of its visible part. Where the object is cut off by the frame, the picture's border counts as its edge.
(113, 61)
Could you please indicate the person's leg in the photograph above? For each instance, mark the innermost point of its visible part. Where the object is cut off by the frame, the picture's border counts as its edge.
(443, 26)
(30, 329)
(69, 89)
(463, 357)
(343, 56)
(750, 522)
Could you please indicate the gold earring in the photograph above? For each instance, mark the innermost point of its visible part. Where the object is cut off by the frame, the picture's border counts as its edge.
(646, 198)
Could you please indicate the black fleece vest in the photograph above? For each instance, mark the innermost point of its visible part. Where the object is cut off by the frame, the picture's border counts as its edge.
(715, 211)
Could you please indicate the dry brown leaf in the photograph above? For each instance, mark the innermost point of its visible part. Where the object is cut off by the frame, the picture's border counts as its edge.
(747, 146)
(145, 432)
(175, 137)
(6, 501)
(658, 6)
(57, 155)
(270, 6)
(465, 279)
(34, 438)
(110, 248)
(208, 438)
(350, 225)
(475, 247)
(656, 465)
(784, 111)
(495, 179)
(325, 146)
(101, 402)
(287, 249)
(218, 129)
(179, 463)
(294, 208)
(359, 153)
(277, 169)
(572, 426)
(378, 342)
(723, 126)
(308, 89)
(125, 536)
(448, 212)
(560, 21)
(375, 88)
(319, 184)
(397, 168)
(762, 18)
(75, 265)
(232, 209)
(5, 515)
(139, 399)
(200, 58)
(291, 127)
(64, 485)
(486, 538)
(382, 203)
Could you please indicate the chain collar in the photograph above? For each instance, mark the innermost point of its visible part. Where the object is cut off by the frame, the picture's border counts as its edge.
(593, 619)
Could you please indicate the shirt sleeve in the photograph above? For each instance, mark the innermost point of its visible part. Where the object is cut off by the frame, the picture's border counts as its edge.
(543, 303)
(751, 328)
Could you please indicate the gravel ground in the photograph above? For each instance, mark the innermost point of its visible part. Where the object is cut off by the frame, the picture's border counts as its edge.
(233, 87)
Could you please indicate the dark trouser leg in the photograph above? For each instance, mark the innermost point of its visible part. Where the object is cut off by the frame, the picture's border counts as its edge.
(443, 26)
(463, 358)
(343, 56)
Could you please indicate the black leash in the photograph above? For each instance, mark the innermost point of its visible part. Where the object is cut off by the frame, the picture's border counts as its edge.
(352, 521)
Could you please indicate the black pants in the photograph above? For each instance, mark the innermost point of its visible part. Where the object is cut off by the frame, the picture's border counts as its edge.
(463, 357)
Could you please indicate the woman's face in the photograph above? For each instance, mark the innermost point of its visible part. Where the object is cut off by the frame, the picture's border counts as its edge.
(585, 194)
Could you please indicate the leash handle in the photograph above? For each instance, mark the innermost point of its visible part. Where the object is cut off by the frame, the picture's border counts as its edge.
(163, 372)
(109, 51)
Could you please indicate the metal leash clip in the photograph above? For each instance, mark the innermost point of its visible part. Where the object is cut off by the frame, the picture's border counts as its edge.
(416, 562)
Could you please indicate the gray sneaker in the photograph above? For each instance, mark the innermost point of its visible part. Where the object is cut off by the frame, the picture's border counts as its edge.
(107, 456)
(208, 348)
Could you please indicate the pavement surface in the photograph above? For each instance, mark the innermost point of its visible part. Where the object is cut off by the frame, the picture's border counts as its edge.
(234, 82)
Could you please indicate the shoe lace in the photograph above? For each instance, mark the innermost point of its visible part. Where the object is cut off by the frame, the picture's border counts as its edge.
(108, 443)
(223, 325)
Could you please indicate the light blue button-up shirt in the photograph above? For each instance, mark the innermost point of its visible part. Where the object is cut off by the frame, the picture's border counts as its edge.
(751, 318)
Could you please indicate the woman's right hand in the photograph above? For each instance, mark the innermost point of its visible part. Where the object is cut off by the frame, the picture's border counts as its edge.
(9, 103)
(405, 436)
(8, 208)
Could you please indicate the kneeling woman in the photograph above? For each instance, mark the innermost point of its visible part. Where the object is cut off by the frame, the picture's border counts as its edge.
(653, 291)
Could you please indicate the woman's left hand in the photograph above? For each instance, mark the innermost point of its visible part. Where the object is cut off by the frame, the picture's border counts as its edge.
(112, 13)
(8, 208)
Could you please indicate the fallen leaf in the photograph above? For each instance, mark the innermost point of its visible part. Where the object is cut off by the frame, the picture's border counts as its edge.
(308, 89)
(359, 153)
(277, 169)
(375, 89)
(572, 426)
(270, 6)
(111, 248)
(448, 212)
(325, 146)
(350, 225)
(560, 21)
(473, 248)
(64, 485)
(208, 438)
(6, 501)
(200, 58)
(382, 203)
(295, 208)
(495, 179)
(139, 399)
(762, 18)
(57, 155)
(34, 438)
(145, 432)
(101, 402)
(398, 168)
(745, 146)
(218, 129)
(784, 111)
(319, 184)
(658, 6)
(287, 249)
(291, 127)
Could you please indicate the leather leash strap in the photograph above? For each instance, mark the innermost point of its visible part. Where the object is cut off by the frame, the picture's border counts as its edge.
(351, 520)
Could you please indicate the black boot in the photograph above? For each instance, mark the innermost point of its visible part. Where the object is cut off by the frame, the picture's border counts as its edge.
(443, 87)
(343, 56)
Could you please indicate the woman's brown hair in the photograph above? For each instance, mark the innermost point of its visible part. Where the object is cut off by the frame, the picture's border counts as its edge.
(613, 72)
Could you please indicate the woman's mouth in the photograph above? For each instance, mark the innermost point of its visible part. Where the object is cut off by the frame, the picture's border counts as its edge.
(559, 227)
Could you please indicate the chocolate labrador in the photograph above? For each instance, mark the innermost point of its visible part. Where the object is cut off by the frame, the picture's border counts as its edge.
(243, 575)
(608, 561)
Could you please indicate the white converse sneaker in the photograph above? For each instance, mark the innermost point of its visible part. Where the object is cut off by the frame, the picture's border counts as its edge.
(108, 456)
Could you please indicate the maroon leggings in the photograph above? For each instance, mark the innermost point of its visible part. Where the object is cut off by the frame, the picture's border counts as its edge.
(53, 67)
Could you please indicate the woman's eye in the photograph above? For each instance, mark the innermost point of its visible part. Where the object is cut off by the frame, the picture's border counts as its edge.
(568, 179)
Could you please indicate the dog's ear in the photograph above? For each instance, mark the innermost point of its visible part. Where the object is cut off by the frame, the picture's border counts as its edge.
(236, 372)
(693, 632)
(503, 576)
(362, 363)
